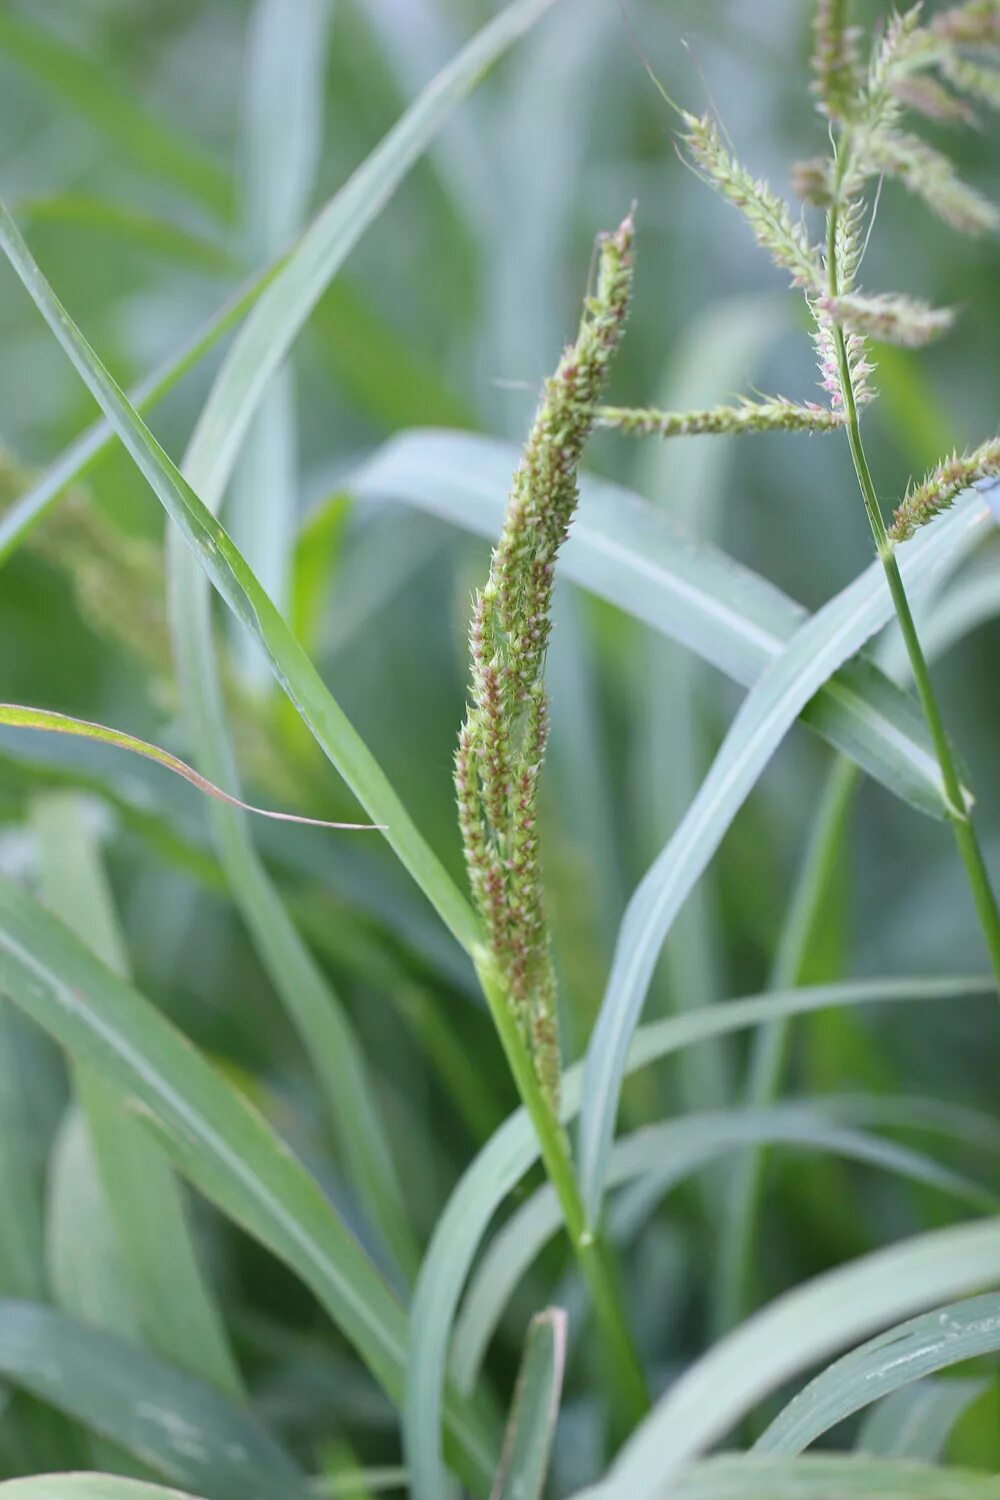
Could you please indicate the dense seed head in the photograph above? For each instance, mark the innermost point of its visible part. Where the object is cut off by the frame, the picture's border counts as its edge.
(502, 743)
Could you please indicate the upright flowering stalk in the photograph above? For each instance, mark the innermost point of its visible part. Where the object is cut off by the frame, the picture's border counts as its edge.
(939, 69)
(502, 743)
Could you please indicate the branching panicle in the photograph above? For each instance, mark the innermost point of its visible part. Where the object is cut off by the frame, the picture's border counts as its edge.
(939, 489)
(502, 744)
(784, 238)
(769, 414)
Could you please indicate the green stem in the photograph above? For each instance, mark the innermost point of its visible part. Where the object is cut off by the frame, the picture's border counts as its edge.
(958, 814)
(629, 1393)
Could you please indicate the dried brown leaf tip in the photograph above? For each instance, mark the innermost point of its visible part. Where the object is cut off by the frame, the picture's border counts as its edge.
(502, 743)
(941, 487)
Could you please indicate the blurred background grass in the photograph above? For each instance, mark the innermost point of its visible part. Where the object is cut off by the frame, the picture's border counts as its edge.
(136, 178)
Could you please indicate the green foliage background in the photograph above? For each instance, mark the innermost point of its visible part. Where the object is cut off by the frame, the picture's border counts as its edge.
(449, 314)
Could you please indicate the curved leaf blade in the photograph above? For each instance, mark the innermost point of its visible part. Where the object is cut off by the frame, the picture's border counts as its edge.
(248, 601)
(213, 1136)
(184, 1429)
(87, 1487)
(816, 650)
(19, 716)
(796, 1330)
(919, 1347)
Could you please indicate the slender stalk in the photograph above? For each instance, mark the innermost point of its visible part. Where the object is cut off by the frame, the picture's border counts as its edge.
(629, 1393)
(958, 814)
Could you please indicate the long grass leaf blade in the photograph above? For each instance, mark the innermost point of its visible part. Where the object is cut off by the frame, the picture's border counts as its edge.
(241, 591)
(87, 1487)
(212, 1135)
(173, 1307)
(184, 1429)
(828, 1477)
(835, 633)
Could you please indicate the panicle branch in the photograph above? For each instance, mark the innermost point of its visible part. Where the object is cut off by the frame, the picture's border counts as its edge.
(972, 24)
(770, 414)
(930, 174)
(888, 317)
(502, 743)
(938, 489)
(785, 239)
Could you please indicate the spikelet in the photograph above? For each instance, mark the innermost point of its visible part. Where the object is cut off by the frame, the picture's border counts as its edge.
(769, 414)
(858, 365)
(888, 317)
(769, 217)
(938, 489)
(849, 245)
(502, 743)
